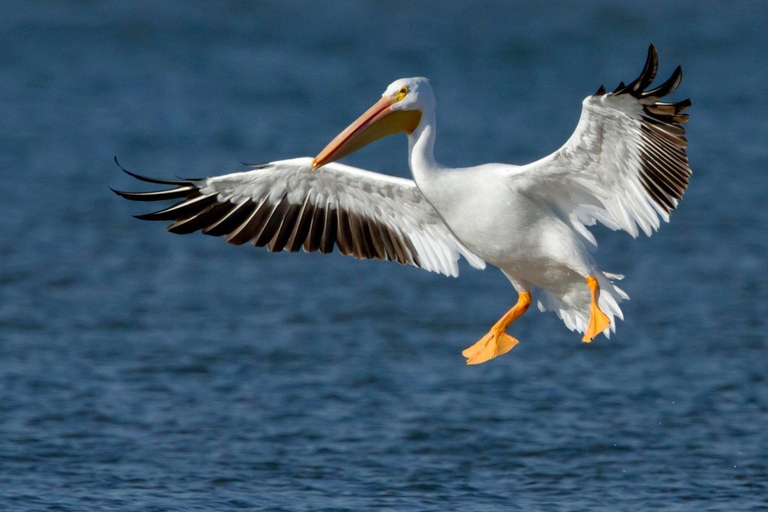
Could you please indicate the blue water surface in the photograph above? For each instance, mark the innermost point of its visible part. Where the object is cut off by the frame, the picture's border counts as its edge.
(145, 371)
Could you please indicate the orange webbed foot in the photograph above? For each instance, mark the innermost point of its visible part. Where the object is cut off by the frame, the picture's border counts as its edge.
(598, 321)
(492, 345)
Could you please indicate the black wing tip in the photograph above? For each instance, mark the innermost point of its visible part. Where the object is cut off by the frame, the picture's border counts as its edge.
(118, 164)
(129, 173)
(672, 83)
(652, 52)
(151, 216)
(649, 71)
(154, 180)
(639, 84)
(678, 72)
(637, 88)
(119, 192)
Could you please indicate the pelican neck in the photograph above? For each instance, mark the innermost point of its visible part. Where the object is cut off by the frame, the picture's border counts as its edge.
(421, 147)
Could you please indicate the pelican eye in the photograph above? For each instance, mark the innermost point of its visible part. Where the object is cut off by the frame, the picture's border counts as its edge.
(399, 95)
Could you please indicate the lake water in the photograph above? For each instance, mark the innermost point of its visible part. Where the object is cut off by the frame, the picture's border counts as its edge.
(145, 371)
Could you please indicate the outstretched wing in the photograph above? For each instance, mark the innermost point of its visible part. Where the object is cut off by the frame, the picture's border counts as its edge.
(625, 165)
(285, 205)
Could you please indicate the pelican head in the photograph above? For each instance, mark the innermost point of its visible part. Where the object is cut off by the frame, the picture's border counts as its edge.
(399, 110)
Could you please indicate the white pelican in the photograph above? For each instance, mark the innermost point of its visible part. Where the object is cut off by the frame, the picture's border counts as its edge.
(625, 166)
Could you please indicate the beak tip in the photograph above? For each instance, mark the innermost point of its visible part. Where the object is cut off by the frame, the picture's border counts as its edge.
(314, 165)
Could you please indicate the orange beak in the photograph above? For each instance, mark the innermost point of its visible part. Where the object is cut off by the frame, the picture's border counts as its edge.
(377, 122)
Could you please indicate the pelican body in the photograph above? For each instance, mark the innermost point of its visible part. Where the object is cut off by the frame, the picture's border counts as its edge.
(625, 166)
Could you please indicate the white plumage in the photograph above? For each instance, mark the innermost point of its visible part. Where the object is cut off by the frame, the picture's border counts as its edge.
(625, 166)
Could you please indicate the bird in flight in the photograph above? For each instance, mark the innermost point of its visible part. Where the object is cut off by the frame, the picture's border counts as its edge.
(625, 166)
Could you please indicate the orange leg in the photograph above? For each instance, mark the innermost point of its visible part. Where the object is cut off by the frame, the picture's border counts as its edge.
(598, 321)
(497, 341)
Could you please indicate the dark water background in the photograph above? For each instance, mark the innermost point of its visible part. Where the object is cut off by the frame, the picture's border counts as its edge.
(145, 371)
